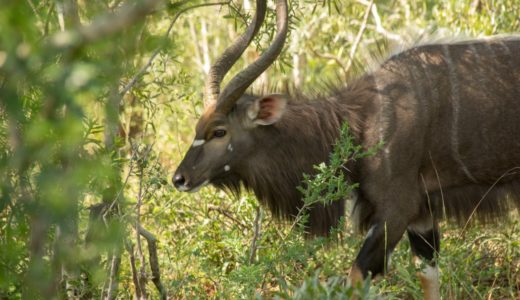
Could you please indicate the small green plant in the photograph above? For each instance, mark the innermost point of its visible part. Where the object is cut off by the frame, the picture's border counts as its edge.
(330, 182)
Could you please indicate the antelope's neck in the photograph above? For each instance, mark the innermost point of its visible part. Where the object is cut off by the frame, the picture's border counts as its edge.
(287, 150)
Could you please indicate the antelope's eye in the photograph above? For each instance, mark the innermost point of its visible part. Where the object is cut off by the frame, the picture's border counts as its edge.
(219, 133)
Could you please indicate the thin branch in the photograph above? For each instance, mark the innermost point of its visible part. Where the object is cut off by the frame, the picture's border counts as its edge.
(154, 261)
(379, 26)
(359, 35)
(61, 14)
(256, 235)
(115, 5)
(331, 57)
(143, 69)
(135, 278)
(48, 19)
(93, 226)
(35, 11)
(115, 201)
(71, 13)
(227, 214)
(114, 272)
(142, 271)
(106, 25)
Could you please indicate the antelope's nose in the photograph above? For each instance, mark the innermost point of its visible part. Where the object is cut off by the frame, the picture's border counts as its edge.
(179, 181)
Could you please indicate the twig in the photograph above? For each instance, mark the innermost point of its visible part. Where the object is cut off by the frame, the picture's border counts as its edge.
(379, 26)
(35, 11)
(96, 212)
(143, 69)
(114, 271)
(256, 235)
(142, 271)
(358, 37)
(48, 19)
(113, 203)
(115, 5)
(331, 57)
(135, 279)
(106, 25)
(154, 261)
(60, 12)
(227, 214)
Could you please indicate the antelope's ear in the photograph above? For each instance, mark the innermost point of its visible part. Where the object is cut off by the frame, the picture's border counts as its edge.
(267, 110)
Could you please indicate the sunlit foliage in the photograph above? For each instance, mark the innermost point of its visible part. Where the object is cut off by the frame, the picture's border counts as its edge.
(91, 129)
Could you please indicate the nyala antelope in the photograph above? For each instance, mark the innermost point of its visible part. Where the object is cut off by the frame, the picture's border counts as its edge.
(448, 117)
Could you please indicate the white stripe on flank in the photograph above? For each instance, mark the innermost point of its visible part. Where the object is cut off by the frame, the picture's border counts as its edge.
(506, 47)
(384, 121)
(389, 260)
(197, 143)
(455, 104)
(482, 79)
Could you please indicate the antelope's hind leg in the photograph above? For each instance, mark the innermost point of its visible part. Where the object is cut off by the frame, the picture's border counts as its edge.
(424, 242)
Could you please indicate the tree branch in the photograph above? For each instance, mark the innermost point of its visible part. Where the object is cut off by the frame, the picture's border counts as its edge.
(135, 278)
(227, 214)
(358, 37)
(143, 69)
(114, 272)
(331, 57)
(142, 271)
(154, 261)
(106, 25)
(256, 235)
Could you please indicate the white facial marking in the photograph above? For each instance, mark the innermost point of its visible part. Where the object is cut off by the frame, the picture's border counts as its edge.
(370, 232)
(227, 168)
(197, 188)
(230, 148)
(197, 143)
(183, 188)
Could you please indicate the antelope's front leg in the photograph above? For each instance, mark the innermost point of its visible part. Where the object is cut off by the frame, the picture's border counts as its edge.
(395, 205)
(425, 244)
(374, 255)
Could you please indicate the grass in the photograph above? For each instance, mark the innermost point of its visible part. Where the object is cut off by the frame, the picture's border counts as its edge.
(209, 258)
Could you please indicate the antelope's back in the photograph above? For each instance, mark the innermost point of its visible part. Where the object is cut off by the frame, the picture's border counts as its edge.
(454, 105)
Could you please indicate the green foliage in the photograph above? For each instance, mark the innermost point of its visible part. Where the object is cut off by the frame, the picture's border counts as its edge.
(333, 288)
(83, 164)
(329, 183)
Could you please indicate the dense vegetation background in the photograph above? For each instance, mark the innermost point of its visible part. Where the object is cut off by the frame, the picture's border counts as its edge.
(98, 101)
